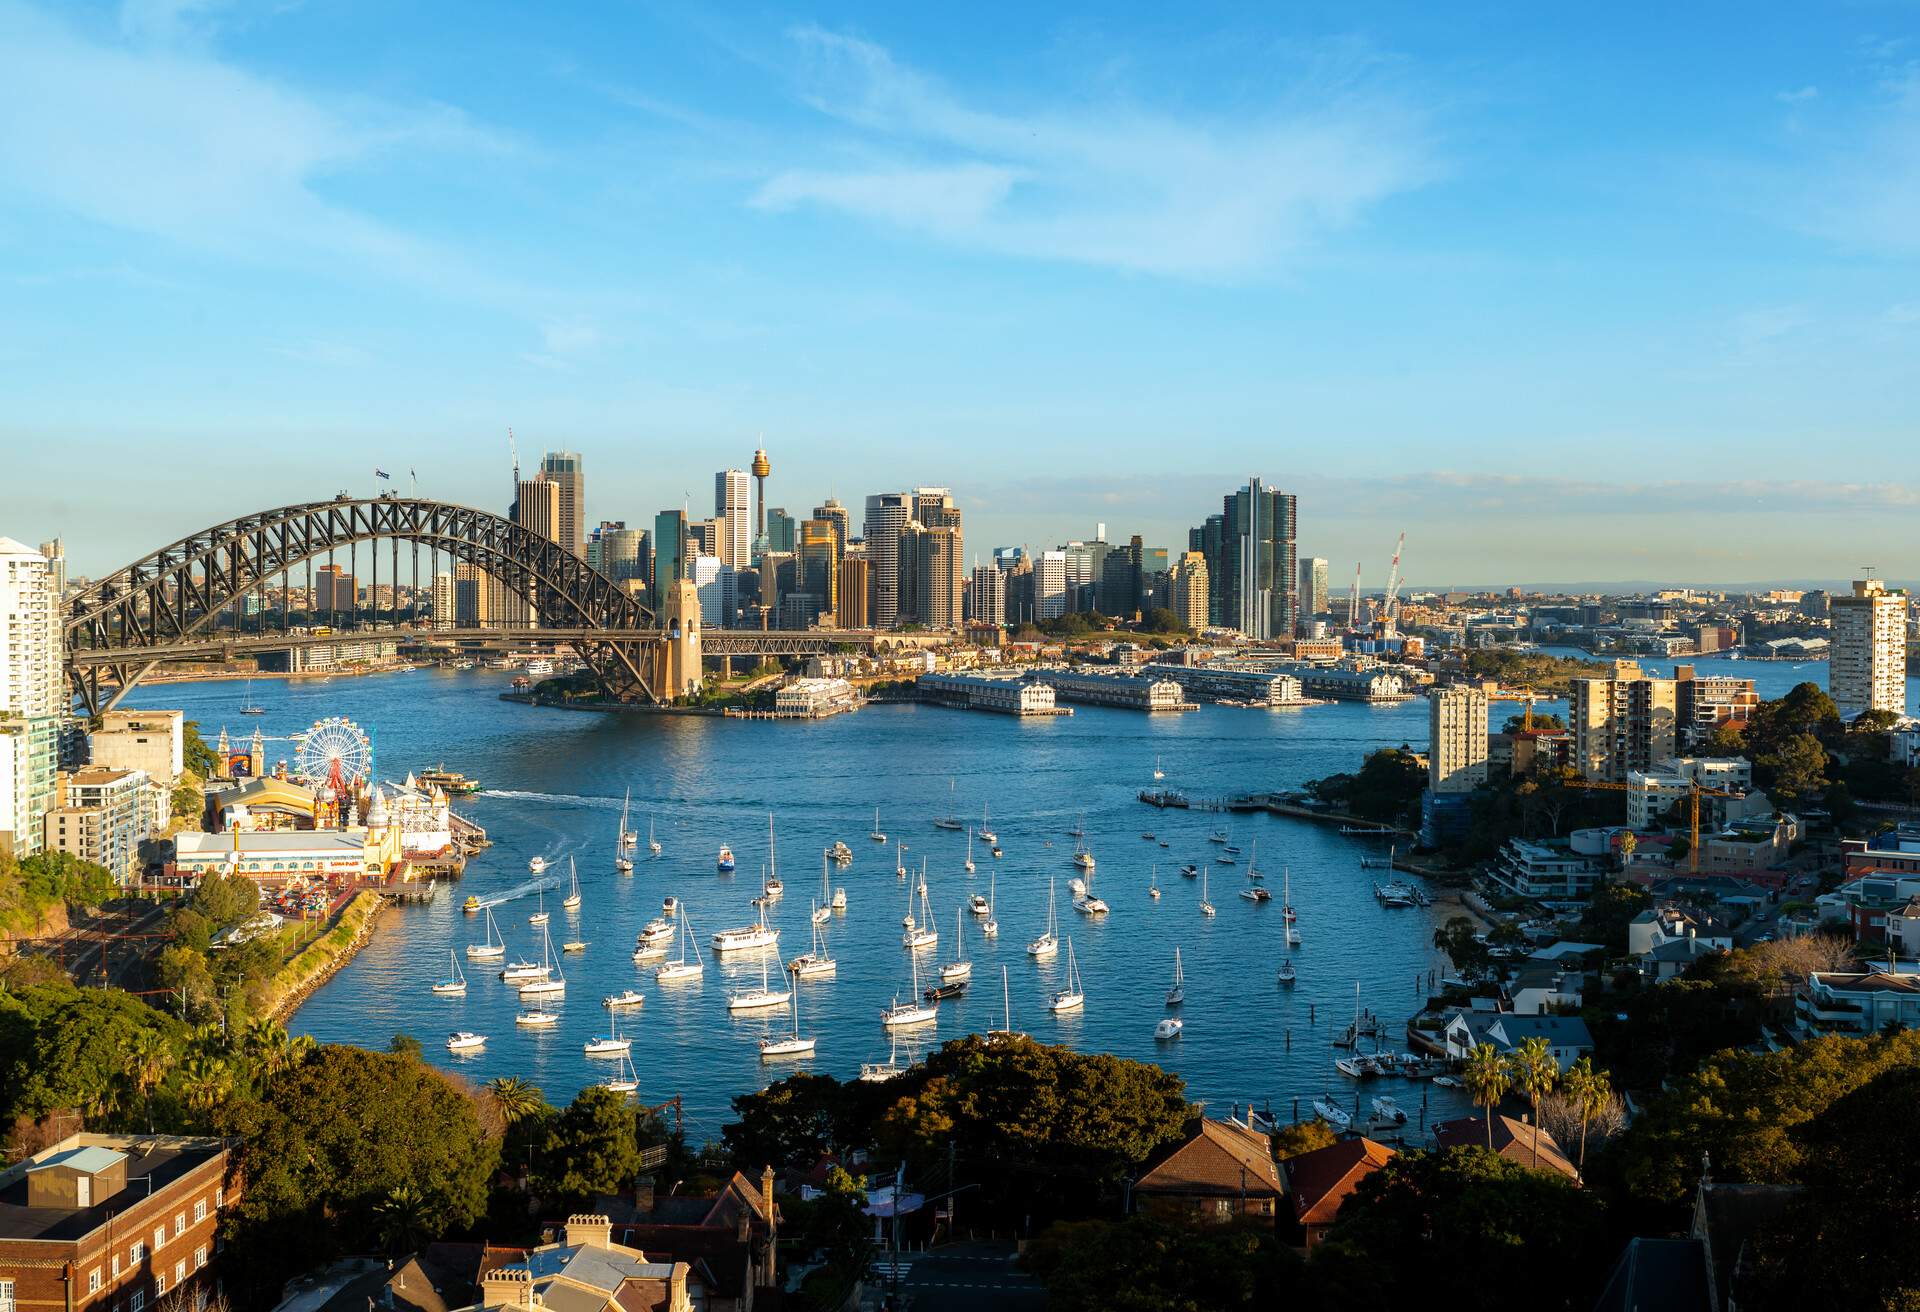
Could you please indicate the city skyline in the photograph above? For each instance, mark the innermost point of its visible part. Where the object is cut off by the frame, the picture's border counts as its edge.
(1085, 267)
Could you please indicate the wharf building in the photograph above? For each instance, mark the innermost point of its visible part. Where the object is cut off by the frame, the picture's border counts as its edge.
(1007, 694)
(1867, 664)
(1133, 692)
(112, 1221)
(1213, 683)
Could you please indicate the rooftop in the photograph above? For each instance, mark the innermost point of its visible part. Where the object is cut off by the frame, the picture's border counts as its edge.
(1320, 1181)
(1221, 1157)
(1513, 1140)
(159, 1160)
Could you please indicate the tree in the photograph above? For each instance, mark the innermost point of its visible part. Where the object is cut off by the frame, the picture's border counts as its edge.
(1605, 917)
(1543, 722)
(196, 755)
(1153, 1263)
(405, 1045)
(205, 1082)
(1796, 769)
(1534, 1073)
(1590, 1094)
(791, 1121)
(1487, 1077)
(1456, 939)
(837, 1224)
(592, 1148)
(516, 1099)
(1302, 1137)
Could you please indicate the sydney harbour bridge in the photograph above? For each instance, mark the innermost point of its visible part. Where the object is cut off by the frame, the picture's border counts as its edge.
(190, 600)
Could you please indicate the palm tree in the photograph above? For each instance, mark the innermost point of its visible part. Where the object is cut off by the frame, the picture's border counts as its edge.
(205, 1081)
(516, 1098)
(149, 1057)
(267, 1047)
(1590, 1092)
(1487, 1078)
(402, 1218)
(1534, 1073)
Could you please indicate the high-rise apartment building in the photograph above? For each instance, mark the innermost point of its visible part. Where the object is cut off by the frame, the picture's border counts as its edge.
(33, 695)
(472, 596)
(1190, 587)
(1867, 664)
(621, 553)
(817, 562)
(336, 593)
(733, 518)
(853, 591)
(932, 580)
(1259, 573)
(988, 596)
(1313, 591)
(670, 552)
(567, 472)
(1456, 739)
(103, 815)
(444, 607)
(1121, 580)
(832, 511)
(1629, 721)
(1050, 585)
(888, 514)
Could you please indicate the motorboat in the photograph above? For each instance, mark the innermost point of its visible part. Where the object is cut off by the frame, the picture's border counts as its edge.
(1333, 1114)
(1449, 1081)
(658, 930)
(669, 906)
(624, 998)
(1190, 871)
(517, 971)
(1146, 835)
(537, 864)
(536, 1019)
(724, 862)
(1048, 944)
(455, 985)
(840, 854)
(493, 948)
(649, 952)
(941, 992)
(1386, 1115)
(997, 852)
(1287, 975)
(465, 1041)
(1293, 936)
(1355, 1067)
(472, 903)
(1224, 860)
(1169, 1028)
(979, 905)
(746, 938)
(1073, 996)
(1256, 895)
(1077, 886)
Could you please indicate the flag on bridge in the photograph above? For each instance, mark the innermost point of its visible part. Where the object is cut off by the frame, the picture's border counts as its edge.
(381, 473)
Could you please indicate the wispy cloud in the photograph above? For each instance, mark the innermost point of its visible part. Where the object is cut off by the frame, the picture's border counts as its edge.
(1798, 97)
(1103, 182)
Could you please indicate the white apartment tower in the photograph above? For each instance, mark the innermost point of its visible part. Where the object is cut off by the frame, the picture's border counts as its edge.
(733, 517)
(443, 602)
(1456, 740)
(988, 596)
(1867, 666)
(33, 696)
(1050, 585)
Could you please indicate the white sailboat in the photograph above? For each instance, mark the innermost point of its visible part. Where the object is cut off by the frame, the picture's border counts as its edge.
(540, 916)
(653, 844)
(1088, 903)
(1253, 856)
(1286, 894)
(1287, 974)
(914, 1011)
(878, 1072)
(1074, 996)
(987, 835)
(991, 929)
(959, 968)
(1006, 1001)
(1178, 993)
(493, 948)
(815, 962)
(1048, 944)
(900, 860)
(969, 862)
(625, 1080)
(611, 1044)
(454, 985)
(536, 1019)
(949, 820)
(761, 998)
(552, 983)
(571, 902)
(1153, 883)
(624, 839)
(792, 1045)
(1081, 856)
(682, 968)
(627, 837)
(877, 834)
(920, 932)
(1158, 773)
(1206, 907)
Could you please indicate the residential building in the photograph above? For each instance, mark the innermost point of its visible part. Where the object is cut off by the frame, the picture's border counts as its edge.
(1867, 667)
(101, 1222)
(588, 1272)
(1524, 1145)
(733, 517)
(888, 514)
(852, 590)
(444, 608)
(1652, 793)
(335, 591)
(930, 576)
(728, 1235)
(473, 592)
(1566, 1036)
(670, 552)
(1313, 592)
(567, 472)
(1456, 739)
(1628, 721)
(1190, 590)
(1221, 1170)
(150, 741)
(1702, 703)
(1251, 563)
(1050, 585)
(1532, 869)
(987, 599)
(33, 694)
(1318, 1182)
(1121, 583)
(536, 508)
(1859, 1003)
(104, 816)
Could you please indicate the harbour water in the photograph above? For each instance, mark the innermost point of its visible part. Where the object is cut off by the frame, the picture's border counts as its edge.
(552, 786)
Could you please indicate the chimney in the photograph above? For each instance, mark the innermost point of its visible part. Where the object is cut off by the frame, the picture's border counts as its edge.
(742, 1225)
(643, 1195)
(585, 1230)
(507, 1286)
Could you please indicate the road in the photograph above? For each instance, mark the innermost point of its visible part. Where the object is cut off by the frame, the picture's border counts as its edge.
(958, 1277)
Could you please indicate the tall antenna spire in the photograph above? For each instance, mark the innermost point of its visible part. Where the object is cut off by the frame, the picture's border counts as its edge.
(514, 451)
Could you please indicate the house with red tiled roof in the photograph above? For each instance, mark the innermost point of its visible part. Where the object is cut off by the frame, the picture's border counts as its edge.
(726, 1237)
(1222, 1169)
(1513, 1140)
(1318, 1182)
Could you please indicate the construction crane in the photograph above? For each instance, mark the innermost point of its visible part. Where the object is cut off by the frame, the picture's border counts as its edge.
(1353, 601)
(1527, 695)
(1694, 793)
(1393, 580)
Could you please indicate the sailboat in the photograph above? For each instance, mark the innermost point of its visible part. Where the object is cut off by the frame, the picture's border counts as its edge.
(877, 1072)
(1178, 993)
(987, 835)
(920, 932)
(1088, 903)
(540, 917)
(823, 910)
(959, 969)
(761, 998)
(1287, 975)
(247, 706)
(627, 836)
(571, 902)
(623, 840)
(877, 834)
(969, 862)
(653, 844)
(1081, 856)
(1158, 773)
(1074, 996)
(1206, 907)
(1286, 894)
(900, 860)
(914, 1011)
(991, 929)
(773, 888)
(611, 1044)
(553, 982)
(454, 985)
(493, 948)
(1006, 1001)
(792, 1045)
(949, 820)
(625, 1080)
(1153, 883)
(1253, 855)
(814, 963)
(1048, 943)
(682, 968)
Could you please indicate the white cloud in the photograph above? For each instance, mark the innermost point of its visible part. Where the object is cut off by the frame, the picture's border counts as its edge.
(1108, 183)
(1798, 97)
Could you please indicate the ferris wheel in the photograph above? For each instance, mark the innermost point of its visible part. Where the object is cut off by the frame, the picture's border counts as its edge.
(335, 752)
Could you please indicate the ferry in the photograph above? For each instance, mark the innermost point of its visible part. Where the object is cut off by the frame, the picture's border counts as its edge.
(447, 781)
(724, 863)
(745, 937)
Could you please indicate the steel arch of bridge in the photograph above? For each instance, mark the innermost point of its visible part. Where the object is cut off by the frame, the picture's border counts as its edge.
(176, 592)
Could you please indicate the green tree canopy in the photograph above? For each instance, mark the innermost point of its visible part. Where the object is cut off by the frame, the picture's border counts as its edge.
(1161, 1264)
(592, 1147)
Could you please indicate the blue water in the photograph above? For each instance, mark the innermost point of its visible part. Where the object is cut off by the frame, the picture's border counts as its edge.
(553, 783)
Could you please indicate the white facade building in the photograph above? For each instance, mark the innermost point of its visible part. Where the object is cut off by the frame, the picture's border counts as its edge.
(733, 517)
(1650, 794)
(33, 692)
(1456, 739)
(1050, 585)
(1867, 664)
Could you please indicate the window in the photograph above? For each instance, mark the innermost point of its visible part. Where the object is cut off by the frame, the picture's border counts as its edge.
(199, 1211)
(179, 1270)
(136, 1253)
(6, 1296)
(93, 1281)
(179, 1224)
(200, 1258)
(159, 1283)
(220, 1196)
(137, 1300)
(159, 1237)
(116, 1266)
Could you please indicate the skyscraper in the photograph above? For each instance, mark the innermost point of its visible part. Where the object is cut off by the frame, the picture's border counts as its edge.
(1313, 591)
(472, 596)
(1251, 561)
(536, 508)
(850, 603)
(1629, 721)
(931, 576)
(832, 510)
(888, 514)
(1120, 580)
(731, 517)
(565, 470)
(670, 553)
(988, 596)
(1190, 585)
(33, 695)
(1456, 739)
(817, 569)
(336, 593)
(1050, 585)
(1867, 668)
(443, 600)
(777, 533)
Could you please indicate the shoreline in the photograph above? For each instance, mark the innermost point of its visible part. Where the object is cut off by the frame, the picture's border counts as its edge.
(329, 957)
(216, 676)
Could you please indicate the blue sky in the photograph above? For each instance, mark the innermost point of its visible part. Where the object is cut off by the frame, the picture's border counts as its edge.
(1618, 293)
